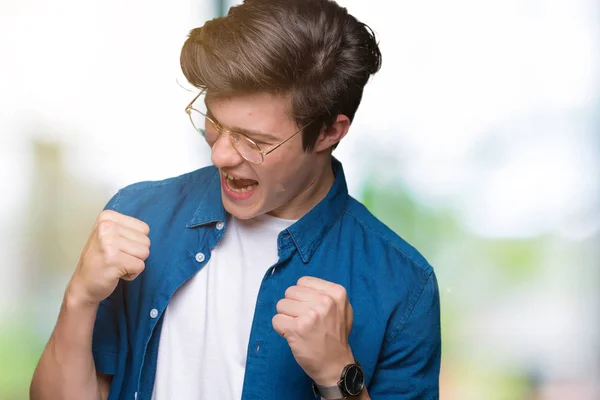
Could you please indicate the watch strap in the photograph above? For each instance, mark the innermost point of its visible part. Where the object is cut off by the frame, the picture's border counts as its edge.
(328, 392)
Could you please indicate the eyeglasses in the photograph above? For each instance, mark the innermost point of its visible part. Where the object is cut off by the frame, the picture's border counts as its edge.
(245, 146)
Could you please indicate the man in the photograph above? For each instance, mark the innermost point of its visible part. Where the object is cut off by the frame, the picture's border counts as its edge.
(258, 277)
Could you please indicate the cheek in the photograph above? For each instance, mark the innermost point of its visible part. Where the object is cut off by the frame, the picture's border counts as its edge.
(277, 180)
(284, 175)
(288, 183)
(279, 189)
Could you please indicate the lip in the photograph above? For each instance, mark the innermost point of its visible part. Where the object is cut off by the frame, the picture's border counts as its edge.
(235, 196)
(234, 175)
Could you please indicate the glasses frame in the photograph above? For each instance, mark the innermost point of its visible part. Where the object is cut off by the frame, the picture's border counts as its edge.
(221, 130)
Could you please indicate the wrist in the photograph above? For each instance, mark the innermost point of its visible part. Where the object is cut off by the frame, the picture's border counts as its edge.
(332, 372)
(76, 298)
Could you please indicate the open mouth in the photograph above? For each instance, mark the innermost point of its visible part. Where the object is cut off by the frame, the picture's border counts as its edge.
(239, 185)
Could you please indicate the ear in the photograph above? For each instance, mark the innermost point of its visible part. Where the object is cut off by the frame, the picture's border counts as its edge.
(331, 136)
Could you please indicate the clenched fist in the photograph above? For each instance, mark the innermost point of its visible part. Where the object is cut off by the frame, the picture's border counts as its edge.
(116, 249)
(315, 318)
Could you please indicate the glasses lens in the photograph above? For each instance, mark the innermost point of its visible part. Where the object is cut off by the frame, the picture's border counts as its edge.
(197, 120)
(247, 149)
(201, 124)
(207, 128)
(204, 126)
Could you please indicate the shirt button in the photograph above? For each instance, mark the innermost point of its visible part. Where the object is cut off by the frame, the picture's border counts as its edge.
(154, 313)
(200, 257)
(220, 225)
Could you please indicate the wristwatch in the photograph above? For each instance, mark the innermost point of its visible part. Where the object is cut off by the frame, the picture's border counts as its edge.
(351, 384)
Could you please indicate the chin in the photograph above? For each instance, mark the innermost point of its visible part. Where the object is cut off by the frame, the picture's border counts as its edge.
(242, 213)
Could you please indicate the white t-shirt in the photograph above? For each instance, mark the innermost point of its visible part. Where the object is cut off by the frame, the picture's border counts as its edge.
(206, 327)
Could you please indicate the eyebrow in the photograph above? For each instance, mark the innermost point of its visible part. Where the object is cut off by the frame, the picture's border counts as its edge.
(258, 135)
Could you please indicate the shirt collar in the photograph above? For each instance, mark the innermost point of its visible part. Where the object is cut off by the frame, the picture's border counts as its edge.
(210, 209)
(309, 230)
(307, 233)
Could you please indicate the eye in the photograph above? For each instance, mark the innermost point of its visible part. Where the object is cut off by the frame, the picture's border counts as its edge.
(210, 133)
(260, 143)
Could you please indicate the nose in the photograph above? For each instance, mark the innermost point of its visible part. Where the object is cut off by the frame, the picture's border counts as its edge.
(224, 154)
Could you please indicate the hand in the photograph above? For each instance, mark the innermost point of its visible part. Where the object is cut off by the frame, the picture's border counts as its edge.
(315, 318)
(116, 249)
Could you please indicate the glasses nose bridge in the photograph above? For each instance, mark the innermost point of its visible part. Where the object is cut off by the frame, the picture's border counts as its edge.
(223, 133)
(232, 137)
(225, 154)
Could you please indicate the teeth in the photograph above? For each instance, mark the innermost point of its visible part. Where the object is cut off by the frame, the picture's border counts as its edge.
(230, 177)
(242, 190)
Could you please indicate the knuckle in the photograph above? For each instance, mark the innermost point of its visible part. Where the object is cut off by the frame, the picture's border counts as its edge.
(302, 327)
(106, 214)
(306, 324)
(279, 305)
(111, 256)
(301, 281)
(145, 253)
(145, 227)
(289, 291)
(312, 315)
(339, 292)
(323, 310)
(326, 301)
(138, 266)
(106, 228)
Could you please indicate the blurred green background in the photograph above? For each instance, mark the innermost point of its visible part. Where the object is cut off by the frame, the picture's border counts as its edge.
(478, 142)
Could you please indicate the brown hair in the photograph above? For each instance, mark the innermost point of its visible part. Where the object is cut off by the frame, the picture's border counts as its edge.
(313, 50)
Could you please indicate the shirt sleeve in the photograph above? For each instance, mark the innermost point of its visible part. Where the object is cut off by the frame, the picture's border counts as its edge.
(409, 364)
(105, 339)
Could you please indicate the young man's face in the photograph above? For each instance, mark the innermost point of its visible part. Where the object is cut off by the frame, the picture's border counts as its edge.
(286, 183)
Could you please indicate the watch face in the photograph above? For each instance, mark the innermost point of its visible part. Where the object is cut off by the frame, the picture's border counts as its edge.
(354, 380)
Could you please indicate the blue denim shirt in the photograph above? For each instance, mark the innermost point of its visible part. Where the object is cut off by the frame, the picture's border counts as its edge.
(392, 289)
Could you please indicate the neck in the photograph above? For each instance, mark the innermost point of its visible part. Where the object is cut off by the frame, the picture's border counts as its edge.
(316, 190)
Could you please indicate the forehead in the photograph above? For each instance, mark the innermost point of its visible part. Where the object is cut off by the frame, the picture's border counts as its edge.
(263, 112)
